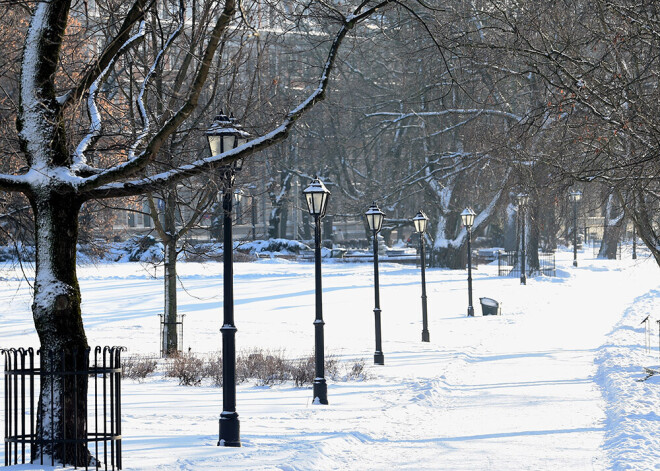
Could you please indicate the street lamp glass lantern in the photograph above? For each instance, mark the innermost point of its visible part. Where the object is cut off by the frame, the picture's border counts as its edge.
(375, 218)
(420, 221)
(523, 199)
(467, 216)
(575, 196)
(226, 134)
(238, 196)
(316, 195)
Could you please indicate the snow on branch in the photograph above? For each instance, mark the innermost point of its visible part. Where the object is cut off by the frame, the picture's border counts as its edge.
(79, 159)
(140, 100)
(139, 162)
(112, 188)
(134, 16)
(481, 218)
(396, 117)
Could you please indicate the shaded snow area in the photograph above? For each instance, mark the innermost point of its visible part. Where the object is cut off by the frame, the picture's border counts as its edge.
(554, 383)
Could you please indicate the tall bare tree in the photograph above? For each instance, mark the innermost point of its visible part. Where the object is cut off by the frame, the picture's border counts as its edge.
(67, 167)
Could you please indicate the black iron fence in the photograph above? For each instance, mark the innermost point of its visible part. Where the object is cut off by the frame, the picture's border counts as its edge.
(164, 327)
(97, 434)
(508, 264)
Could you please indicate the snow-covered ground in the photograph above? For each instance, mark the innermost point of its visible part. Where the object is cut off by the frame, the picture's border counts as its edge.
(549, 385)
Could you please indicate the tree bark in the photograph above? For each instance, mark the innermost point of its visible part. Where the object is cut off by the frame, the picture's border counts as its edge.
(169, 236)
(170, 337)
(58, 321)
(612, 230)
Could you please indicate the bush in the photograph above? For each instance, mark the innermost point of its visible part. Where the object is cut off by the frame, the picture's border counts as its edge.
(138, 367)
(187, 368)
(268, 368)
(264, 367)
(357, 372)
(213, 370)
(302, 371)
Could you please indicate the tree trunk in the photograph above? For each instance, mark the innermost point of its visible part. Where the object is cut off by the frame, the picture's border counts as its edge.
(612, 230)
(58, 320)
(274, 223)
(451, 257)
(284, 219)
(532, 238)
(170, 339)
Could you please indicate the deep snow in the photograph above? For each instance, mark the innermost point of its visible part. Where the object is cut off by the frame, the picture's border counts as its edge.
(549, 385)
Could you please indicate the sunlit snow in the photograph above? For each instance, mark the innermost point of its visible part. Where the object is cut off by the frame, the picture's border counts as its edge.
(549, 385)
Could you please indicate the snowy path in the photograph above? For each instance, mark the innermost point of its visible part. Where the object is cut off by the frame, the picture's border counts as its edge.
(516, 392)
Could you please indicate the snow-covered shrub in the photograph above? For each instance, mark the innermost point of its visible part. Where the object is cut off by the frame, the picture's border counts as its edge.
(187, 368)
(27, 253)
(272, 246)
(138, 367)
(137, 249)
(357, 371)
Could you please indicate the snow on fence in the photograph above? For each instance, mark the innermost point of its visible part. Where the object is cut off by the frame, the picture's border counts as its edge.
(99, 432)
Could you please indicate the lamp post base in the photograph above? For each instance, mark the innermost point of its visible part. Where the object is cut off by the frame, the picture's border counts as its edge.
(379, 358)
(320, 391)
(575, 263)
(230, 430)
(425, 336)
(470, 311)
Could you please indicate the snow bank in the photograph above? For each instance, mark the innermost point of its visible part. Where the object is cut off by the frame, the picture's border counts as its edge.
(633, 424)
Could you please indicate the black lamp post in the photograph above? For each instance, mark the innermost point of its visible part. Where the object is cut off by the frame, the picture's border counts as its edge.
(375, 220)
(523, 199)
(420, 221)
(467, 217)
(575, 197)
(634, 248)
(224, 135)
(316, 195)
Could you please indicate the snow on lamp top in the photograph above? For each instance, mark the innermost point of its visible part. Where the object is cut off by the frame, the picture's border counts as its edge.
(468, 217)
(420, 221)
(375, 217)
(575, 196)
(316, 195)
(225, 134)
(522, 198)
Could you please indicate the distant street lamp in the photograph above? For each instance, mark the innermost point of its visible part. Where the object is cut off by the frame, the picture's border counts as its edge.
(316, 195)
(223, 135)
(523, 199)
(420, 221)
(375, 220)
(468, 220)
(575, 197)
(238, 197)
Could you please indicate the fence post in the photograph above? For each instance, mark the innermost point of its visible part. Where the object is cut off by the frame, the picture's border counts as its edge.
(20, 374)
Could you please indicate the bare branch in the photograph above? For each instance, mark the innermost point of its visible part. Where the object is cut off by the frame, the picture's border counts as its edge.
(114, 49)
(113, 189)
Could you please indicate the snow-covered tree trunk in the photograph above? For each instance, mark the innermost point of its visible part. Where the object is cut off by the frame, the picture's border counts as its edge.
(612, 229)
(58, 321)
(279, 214)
